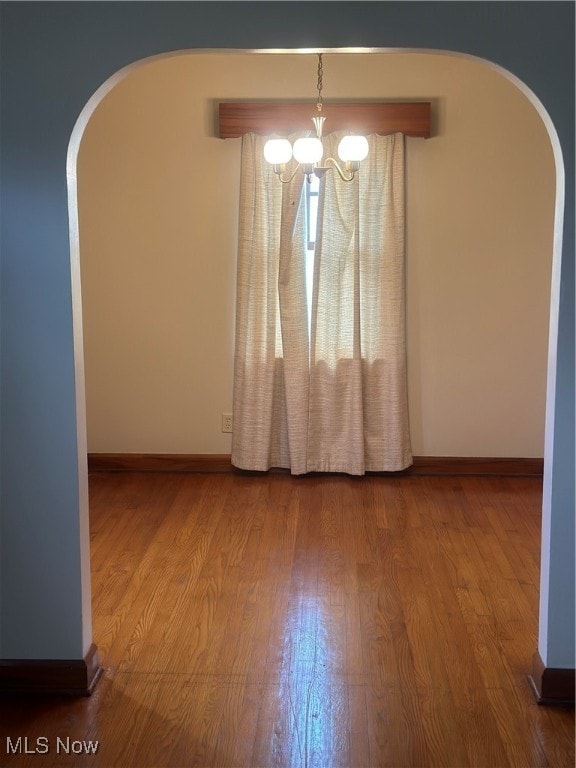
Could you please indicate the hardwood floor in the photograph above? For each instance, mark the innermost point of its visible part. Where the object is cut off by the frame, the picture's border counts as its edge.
(278, 622)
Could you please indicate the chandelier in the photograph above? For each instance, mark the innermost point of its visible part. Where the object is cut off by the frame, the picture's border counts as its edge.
(308, 152)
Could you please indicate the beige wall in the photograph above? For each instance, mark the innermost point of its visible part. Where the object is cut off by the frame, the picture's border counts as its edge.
(158, 222)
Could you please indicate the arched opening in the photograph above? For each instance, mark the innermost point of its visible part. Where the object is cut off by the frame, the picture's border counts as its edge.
(75, 240)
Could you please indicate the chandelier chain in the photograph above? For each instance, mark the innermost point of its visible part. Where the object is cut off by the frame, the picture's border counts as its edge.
(319, 84)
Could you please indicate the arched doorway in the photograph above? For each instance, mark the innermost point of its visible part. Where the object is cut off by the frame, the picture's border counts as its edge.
(107, 87)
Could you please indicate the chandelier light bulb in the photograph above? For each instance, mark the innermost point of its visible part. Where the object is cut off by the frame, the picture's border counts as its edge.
(353, 149)
(308, 151)
(278, 151)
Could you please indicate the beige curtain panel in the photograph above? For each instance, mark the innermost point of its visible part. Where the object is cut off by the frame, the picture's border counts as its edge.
(332, 399)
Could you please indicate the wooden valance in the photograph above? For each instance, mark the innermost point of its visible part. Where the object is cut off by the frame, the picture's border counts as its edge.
(283, 118)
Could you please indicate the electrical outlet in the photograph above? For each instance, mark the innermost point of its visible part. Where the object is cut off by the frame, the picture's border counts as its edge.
(226, 422)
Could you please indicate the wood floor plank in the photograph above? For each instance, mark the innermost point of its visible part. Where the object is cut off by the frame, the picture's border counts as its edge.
(520, 748)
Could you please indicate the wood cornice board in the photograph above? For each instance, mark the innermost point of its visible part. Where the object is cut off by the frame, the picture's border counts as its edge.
(283, 118)
(53, 677)
(220, 463)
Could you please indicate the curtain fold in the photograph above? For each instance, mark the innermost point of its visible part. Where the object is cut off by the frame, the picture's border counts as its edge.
(271, 354)
(337, 402)
(358, 391)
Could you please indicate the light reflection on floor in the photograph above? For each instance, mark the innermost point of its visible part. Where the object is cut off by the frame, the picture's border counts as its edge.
(312, 701)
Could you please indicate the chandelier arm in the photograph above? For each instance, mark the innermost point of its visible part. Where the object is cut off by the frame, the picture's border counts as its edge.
(341, 172)
(279, 170)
